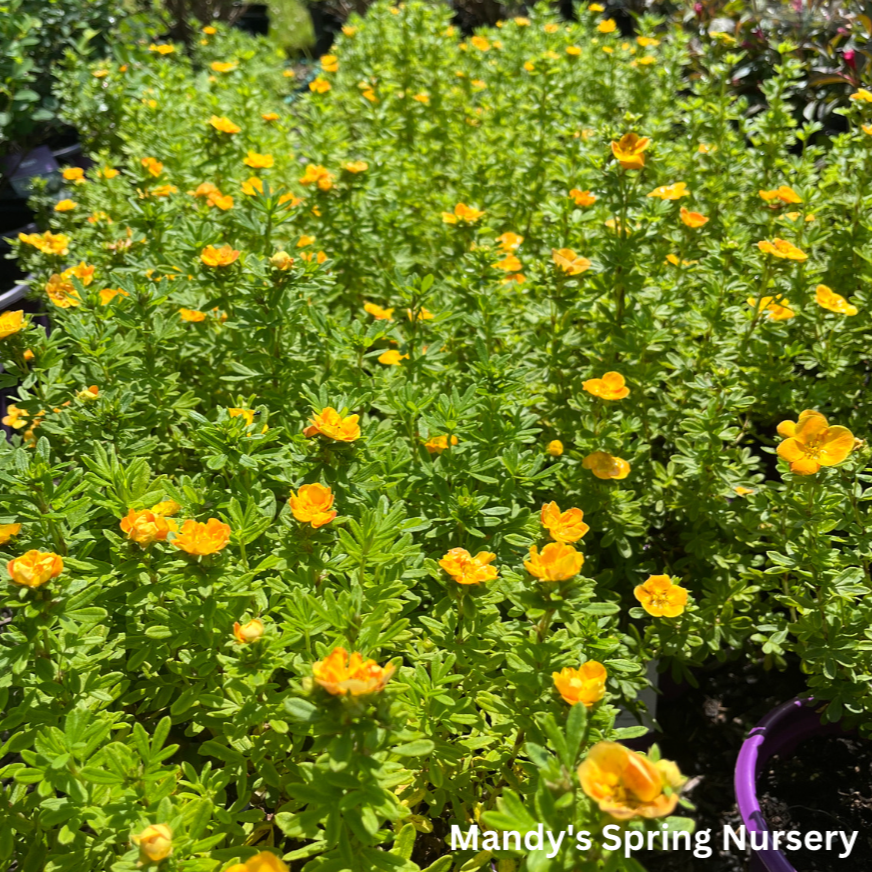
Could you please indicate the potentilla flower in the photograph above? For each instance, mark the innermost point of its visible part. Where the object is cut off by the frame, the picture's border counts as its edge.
(626, 784)
(480, 43)
(862, 95)
(152, 165)
(224, 125)
(162, 191)
(565, 526)
(824, 297)
(192, 315)
(605, 466)
(205, 190)
(555, 448)
(313, 504)
(221, 201)
(585, 685)
(258, 161)
(209, 30)
(423, 315)
(163, 49)
(329, 63)
(247, 634)
(166, 507)
(355, 166)
(281, 260)
(392, 357)
(89, 394)
(146, 527)
(556, 562)
(317, 175)
(73, 174)
(782, 248)
(328, 422)
(155, 843)
(509, 241)
(378, 312)
(422, 98)
(262, 862)
(219, 257)
(510, 263)
(61, 291)
(200, 539)
(35, 568)
(462, 214)
(319, 85)
(223, 66)
(252, 186)
(743, 491)
(66, 205)
(247, 415)
(608, 25)
(340, 674)
(270, 116)
(11, 323)
(48, 242)
(610, 387)
(670, 192)
(661, 597)
(811, 443)
(521, 21)
(438, 444)
(774, 309)
(628, 151)
(693, 220)
(566, 260)
(466, 569)
(348, 30)
(573, 51)
(582, 198)
(7, 531)
(783, 193)
(15, 417)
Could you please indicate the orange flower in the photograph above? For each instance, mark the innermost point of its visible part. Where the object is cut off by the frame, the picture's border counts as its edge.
(258, 161)
(521, 21)
(557, 562)
(155, 843)
(462, 214)
(87, 395)
(628, 151)
(153, 165)
(776, 310)
(15, 417)
(783, 193)
(438, 444)
(348, 30)
(35, 568)
(378, 312)
(811, 443)
(73, 174)
(7, 531)
(555, 448)
(340, 674)
(392, 357)
(565, 526)
(11, 323)
(270, 116)
(162, 191)
(320, 85)
(316, 174)
(145, 527)
(603, 465)
(828, 299)
(693, 220)
(192, 315)
(569, 262)
(252, 187)
(355, 166)
(328, 422)
(670, 192)
(247, 633)
(610, 387)
(466, 569)
(200, 539)
(62, 293)
(582, 198)
(65, 206)
(313, 504)
(218, 257)
(48, 242)
(510, 242)
(422, 98)
(224, 125)
(625, 784)
(660, 597)
(585, 685)
(480, 43)
(782, 248)
(223, 202)
(223, 66)
(510, 263)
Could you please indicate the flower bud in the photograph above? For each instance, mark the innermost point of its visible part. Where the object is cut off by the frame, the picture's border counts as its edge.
(248, 632)
(155, 843)
(281, 260)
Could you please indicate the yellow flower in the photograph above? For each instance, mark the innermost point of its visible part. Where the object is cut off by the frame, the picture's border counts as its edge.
(247, 634)
(573, 51)
(224, 125)
(783, 193)
(209, 30)
(355, 166)
(48, 242)
(154, 166)
(328, 422)
(585, 685)
(867, 129)
(281, 260)
(62, 292)
(392, 357)
(313, 504)
(863, 95)
(555, 448)
(462, 213)
(743, 491)
(15, 417)
(218, 257)
(782, 248)
(162, 49)
(155, 842)
(348, 30)
(378, 312)
(438, 444)
(605, 466)
(466, 569)
(423, 315)
(270, 116)
(521, 21)
(480, 43)
(192, 315)
(247, 415)
(646, 61)
(304, 241)
(11, 323)
(252, 187)
(422, 98)
(167, 507)
(628, 151)
(320, 85)
(646, 41)
(7, 531)
(316, 174)
(162, 191)
(369, 94)
(565, 526)
(87, 395)
(824, 296)
(340, 674)
(258, 161)
(550, 28)
(625, 784)
(670, 192)
(582, 198)
(557, 562)
(221, 201)
(146, 526)
(509, 241)
(811, 443)
(775, 310)
(329, 63)
(610, 387)
(200, 539)
(223, 66)
(660, 597)
(607, 26)
(693, 220)
(73, 174)
(569, 262)
(35, 568)
(65, 205)
(510, 263)
(596, 7)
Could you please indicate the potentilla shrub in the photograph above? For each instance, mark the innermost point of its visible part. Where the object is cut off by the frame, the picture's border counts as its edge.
(388, 428)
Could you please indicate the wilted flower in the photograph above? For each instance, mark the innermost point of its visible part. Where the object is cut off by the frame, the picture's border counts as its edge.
(670, 192)
(628, 151)
(782, 248)
(660, 597)
(466, 569)
(603, 465)
(824, 297)
(258, 161)
(219, 257)
(438, 444)
(328, 422)
(342, 675)
(146, 526)
(585, 685)
(313, 504)
(569, 262)
(11, 323)
(774, 309)
(155, 842)
(224, 125)
(248, 633)
(693, 220)
(462, 214)
(378, 312)
(565, 526)
(556, 562)
(811, 443)
(200, 539)
(555, 448)
(35, 568)
(610, 387)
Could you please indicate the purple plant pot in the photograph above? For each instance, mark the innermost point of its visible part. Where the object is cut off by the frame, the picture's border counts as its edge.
(778, 733)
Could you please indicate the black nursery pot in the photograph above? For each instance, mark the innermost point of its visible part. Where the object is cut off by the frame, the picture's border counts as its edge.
(254, 19)
(326, 26)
